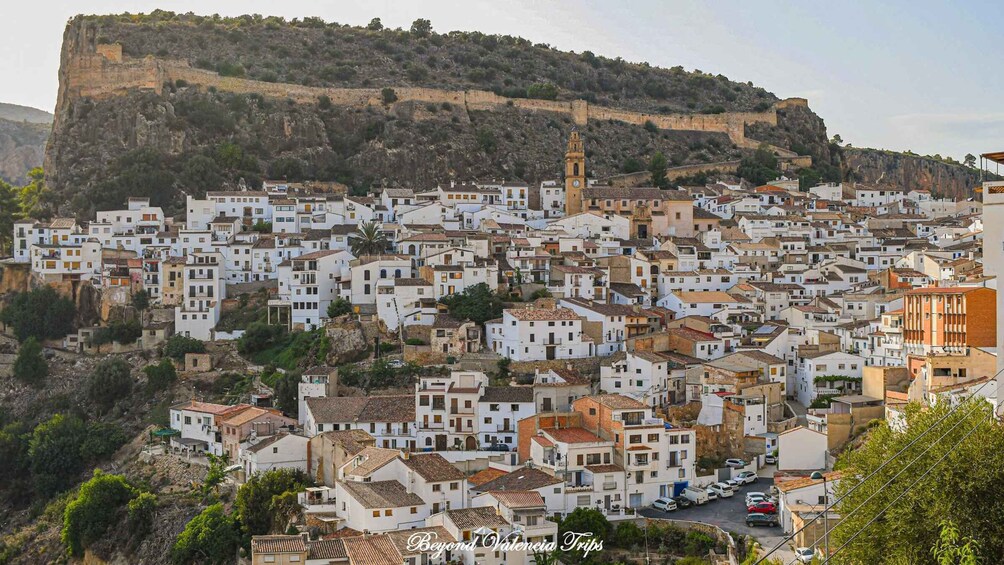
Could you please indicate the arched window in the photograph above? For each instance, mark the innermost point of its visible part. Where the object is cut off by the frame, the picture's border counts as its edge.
(575, 170)
(383, 273)
(397, 273)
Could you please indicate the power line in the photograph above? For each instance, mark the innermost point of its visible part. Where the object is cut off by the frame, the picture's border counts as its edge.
(879, 468)
(900, 497)
(905, 467)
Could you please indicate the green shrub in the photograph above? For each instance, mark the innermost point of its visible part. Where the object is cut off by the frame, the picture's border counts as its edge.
(97, 507)
(178, 345)
(388, 95)
(542, 91)
(160, 376)
(109, 383)
(414, 341)
(210, 537)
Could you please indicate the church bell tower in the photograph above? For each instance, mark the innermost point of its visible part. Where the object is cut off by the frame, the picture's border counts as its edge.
(575, 174)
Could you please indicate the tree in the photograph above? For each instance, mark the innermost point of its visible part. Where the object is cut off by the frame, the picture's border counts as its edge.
(98, 505)
(109, 383)
(502, 366)
(102, 441)
(141, 301)
(368, 240)
(255, 499)
(388, 95)
(160, 376)
(969, 160)
(140, 515)
(287, 394)
(339, 307)
(54, 453)
(657, 167)
(759, 168)
(8, 213)
(837, 139)
(15, 464)
(217, 472)
(963, 458)
(476, 303)
(30, 366)
(584, 520)
(212, 537)
(178, 345)
(259, 337)
(542, 91)
(421, 28)
(41, 313)
(31, 196)
(375, 25)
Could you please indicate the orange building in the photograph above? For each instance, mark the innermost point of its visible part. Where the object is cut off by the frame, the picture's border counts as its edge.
(946, 319)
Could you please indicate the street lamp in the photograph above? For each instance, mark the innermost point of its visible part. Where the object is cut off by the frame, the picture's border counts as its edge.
(816, 475)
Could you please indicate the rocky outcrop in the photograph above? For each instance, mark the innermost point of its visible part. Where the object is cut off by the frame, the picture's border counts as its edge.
(22, 148)
(174, 106)
(910, 172)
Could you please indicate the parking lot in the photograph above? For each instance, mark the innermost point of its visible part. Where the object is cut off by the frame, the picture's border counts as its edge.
(729, 514)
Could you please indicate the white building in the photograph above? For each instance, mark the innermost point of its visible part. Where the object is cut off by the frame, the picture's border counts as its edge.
(534, 334)
(204, 289)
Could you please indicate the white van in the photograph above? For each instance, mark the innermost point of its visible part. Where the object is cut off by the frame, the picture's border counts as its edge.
(696, 495)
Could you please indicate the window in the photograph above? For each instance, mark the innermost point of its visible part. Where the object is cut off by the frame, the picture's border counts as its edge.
(437, 488)
(376, 513)
(388, 512)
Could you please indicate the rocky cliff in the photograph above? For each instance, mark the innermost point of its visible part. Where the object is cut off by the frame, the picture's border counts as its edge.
(23, 134)
(909, 171)
(162, 104)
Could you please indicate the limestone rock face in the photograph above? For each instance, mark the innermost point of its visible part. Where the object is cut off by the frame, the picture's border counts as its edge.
(348, 342)
(912, 172)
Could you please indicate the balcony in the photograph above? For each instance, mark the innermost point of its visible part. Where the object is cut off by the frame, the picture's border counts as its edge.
(551, 340)
(578, 488)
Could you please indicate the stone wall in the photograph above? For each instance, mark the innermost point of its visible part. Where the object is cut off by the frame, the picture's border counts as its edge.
(103, 72)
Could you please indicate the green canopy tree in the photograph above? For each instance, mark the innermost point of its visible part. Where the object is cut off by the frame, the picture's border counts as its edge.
(255, 499)
(963, 488)
(109, 383)
(32, 195)
(657, 168)
(54, 455)
(41, 313)
(476, 303)
(213, 537)
(100, 504)
(30, 366)
(8, 214)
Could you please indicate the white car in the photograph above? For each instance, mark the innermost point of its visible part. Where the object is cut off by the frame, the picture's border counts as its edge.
(722, 490)
(712, 494)
(770, 459)
(754, 497)
(735, 463)
(804, 554)
(746, 478)
(664, 504)
(733, 484)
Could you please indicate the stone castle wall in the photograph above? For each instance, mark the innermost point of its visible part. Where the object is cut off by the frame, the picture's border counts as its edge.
(104, 72)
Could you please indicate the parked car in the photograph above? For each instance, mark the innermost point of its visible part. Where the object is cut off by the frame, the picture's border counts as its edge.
(733, 484)
(696, 495)
(804, 554)
(763, 508)
(721, 490)
(498, 447)
(735, 463)
(664, 504)
(746, 478)
(770, 459)
(683, 502)
(754, 497)
(711, 494)
(757, 519)
(395, 363)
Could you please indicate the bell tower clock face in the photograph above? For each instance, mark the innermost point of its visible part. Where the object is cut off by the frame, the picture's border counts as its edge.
(575, 183)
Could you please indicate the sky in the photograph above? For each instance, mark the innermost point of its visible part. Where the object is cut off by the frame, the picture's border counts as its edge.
(897, 75)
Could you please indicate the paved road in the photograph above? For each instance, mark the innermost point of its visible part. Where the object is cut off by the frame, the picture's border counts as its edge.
(729, 514)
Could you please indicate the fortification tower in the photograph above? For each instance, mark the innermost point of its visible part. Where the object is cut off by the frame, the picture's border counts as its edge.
(575, 174)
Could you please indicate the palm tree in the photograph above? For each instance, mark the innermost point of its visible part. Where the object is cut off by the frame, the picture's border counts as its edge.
(368, 240)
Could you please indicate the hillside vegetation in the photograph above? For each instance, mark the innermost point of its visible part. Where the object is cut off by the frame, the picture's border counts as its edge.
(194, 139)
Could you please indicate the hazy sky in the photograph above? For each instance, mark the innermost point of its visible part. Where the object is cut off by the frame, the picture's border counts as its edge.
(916, 75)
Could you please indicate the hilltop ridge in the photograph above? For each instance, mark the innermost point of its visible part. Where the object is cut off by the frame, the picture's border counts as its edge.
(192, 104)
